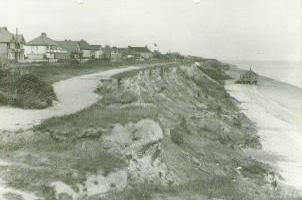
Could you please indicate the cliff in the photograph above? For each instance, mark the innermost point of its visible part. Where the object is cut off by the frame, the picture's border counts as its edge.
(163, 132)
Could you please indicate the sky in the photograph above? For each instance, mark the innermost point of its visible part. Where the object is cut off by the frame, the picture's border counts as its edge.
(222, 29)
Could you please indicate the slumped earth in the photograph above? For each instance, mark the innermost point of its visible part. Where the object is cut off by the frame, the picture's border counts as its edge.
(161, 133)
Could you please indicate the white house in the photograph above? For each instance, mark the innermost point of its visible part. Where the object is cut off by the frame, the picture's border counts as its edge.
(96, 51)
(42, 49)
(140, 52)
(86, 49)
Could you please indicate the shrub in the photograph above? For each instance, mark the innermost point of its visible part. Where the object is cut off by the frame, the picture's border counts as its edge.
(3, 63)
(26, 91)
(3, 73)
(3, 99)
(120, 97)
(176, 137)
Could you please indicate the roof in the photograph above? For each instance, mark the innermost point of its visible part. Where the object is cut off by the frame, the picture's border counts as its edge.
(140, 49)
(20, 38)
(69, 45)
(6, 36)
(249, 74)
(95, 47)
(84, 45)
(42, 40)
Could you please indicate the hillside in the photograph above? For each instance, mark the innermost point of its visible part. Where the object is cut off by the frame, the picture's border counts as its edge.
(161, 133)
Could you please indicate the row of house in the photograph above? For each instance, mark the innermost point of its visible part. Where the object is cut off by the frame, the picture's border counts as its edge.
(13, 47)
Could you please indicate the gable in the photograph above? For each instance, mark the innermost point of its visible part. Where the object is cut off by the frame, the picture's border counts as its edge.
(6, 36)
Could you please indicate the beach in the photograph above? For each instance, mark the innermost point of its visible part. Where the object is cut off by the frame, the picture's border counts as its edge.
(276, 109)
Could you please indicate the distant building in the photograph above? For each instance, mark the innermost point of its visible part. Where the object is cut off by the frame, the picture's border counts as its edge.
(43, 48)
(11, 45)
(106, 52)
(86, 49)
(140, 52)
(96, 51)
(249, 77)
(116, 54)
(72, 48)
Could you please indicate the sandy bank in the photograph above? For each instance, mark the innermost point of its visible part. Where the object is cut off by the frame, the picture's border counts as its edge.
(276, 108)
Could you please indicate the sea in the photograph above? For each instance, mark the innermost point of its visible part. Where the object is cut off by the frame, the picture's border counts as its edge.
(275, 105)
(283, 71)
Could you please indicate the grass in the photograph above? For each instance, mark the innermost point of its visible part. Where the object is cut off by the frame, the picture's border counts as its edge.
(53, 72)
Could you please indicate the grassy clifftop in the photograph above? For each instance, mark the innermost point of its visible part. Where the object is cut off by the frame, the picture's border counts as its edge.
(168, 132)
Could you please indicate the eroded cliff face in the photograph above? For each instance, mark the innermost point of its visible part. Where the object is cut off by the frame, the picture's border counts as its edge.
(166, 132)
(201, 132)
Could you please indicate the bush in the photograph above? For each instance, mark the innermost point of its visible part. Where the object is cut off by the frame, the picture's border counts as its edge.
(3, 99)
(119, 97)
(33, 93)
(176, 137)
(25, 91)
(3, 63)
(3, 73)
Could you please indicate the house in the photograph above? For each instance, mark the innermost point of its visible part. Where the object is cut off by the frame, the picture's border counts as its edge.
(11, 45)
(81, 49)
(140, 52)
(86, 49)
(43, 48)
(96, 51)
(72, 48)
(116, 54)
(106, 52)
(250, 77)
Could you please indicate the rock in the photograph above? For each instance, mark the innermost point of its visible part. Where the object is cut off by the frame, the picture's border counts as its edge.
(140, 143)
(64, 196)
(98, 183)
(133, 136)
(91, 133)
(12, 196)
(63, 191)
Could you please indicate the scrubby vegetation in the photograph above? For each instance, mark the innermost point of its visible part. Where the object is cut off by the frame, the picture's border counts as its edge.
(24, 90)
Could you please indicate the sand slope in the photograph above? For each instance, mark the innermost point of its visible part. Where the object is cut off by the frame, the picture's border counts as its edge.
(276, 108)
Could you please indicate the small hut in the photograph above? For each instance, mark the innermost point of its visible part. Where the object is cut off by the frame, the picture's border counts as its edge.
(249, 77)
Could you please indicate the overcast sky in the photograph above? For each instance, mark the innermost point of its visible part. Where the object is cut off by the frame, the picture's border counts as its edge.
(223, 29)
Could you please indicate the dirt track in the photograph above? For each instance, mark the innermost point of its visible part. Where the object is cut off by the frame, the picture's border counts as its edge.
(73, 95)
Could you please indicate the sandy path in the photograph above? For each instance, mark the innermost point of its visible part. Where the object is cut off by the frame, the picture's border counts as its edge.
(73, 95)
(276, 108)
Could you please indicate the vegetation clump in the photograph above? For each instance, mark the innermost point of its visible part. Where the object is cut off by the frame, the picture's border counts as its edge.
(24, 90)
(176, 137)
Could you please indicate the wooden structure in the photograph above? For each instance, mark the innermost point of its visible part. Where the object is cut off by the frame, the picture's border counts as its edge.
(250, 77)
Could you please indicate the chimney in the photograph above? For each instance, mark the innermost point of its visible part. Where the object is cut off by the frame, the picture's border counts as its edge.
(43, 34)
(4, 27)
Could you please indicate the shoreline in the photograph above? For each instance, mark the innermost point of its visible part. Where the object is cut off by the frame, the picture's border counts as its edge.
(283, 71)
(272, 105)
